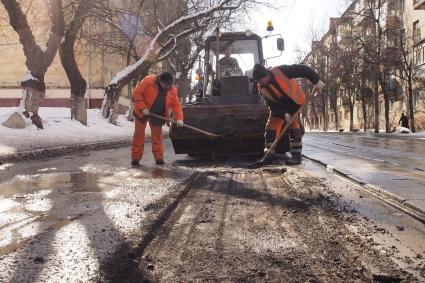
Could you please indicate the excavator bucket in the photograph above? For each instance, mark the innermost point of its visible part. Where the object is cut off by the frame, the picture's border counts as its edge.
(240, 127)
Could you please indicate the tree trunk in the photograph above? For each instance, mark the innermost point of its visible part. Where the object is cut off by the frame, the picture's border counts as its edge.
(411, 109)
(325, 120)
(316, 116)
(376, 107)
(79, 108)
(183, 86)
(69, 63)
(37, 59)
(364, 114)
(76, 80)
(111, 105)
(29, 105)
(386, 104)
(387, 113)
(351, 106)
(335, 109)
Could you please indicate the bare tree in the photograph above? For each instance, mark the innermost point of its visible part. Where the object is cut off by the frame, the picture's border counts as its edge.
(403, 54)
(317, 61)
(76, 13)
(164, 42)
(373, 43)
(38, 59)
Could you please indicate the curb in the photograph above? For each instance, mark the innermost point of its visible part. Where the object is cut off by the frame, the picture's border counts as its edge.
(388, 197)
(62, 150)
(382, 134)
(68, 149)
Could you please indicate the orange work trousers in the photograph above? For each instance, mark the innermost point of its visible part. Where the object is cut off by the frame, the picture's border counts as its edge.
(273, 128)
(139, 141)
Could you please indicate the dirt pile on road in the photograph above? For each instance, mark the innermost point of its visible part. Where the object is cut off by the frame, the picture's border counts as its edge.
(258, 225)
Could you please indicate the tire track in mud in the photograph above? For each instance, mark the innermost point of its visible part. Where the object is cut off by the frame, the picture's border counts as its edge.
(261, 226)
(125, 264)
(299, 256)
(341, 254)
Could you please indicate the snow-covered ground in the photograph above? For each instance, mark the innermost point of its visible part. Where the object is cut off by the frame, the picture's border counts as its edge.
(60, 130)
(399, 131)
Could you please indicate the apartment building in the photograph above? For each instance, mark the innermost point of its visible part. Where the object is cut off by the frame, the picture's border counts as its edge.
(97, 66)
(400, 21)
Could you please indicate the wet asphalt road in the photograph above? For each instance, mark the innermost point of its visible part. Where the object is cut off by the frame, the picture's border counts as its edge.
(395, 164)
(90, 217)
(60, 216)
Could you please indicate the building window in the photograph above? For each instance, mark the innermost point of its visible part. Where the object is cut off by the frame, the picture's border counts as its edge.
(415, 98)
(416, 32)
(399, 5)
(417, 59)
(423, 54)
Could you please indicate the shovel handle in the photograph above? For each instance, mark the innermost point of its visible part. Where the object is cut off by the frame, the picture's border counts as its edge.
(287, 125)
(211, 135)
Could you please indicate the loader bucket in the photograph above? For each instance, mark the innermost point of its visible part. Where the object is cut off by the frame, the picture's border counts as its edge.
(241, 129)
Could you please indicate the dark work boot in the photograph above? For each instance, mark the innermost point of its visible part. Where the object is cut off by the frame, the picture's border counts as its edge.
(135, 163)
(159, 162)
(296, 147)
(295, 160)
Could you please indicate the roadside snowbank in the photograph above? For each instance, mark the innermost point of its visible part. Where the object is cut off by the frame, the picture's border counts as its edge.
(399, 131)
(60, 130)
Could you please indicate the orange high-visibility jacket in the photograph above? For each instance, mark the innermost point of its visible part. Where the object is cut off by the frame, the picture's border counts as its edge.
(145, 93)
(290, 88)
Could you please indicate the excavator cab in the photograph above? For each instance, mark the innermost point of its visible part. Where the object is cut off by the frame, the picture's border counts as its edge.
(228, 68)
(230, 105)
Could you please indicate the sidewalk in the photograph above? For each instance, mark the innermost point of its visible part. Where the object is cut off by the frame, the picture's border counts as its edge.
(391, 165)
(399, 133)
(62, 135)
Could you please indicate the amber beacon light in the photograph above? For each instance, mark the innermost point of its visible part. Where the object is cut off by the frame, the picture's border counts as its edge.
(270, 26)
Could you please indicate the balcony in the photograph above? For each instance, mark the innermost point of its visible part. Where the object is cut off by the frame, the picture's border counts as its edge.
(366, 93)
(345, 101)
(394, 89)
(419, 4)
(417, 37)
(394, 22)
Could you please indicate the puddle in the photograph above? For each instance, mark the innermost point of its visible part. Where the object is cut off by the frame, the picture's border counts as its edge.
(68, 182)
(144, 172)
(62, 182)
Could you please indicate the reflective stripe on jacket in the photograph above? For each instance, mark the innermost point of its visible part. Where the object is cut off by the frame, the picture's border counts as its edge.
(289, 87)
(145, 93)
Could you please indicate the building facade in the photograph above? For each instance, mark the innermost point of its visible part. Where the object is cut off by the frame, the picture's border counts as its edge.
(348, 56)
(97, 66)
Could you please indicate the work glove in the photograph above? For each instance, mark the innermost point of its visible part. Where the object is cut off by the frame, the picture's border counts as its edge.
(319, 86)
(145, 112)
(179, 123)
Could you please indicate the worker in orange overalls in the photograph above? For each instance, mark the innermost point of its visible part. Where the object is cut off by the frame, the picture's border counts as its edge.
(154, 94)
(283, 95)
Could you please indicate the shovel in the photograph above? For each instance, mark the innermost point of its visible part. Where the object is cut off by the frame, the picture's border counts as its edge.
(267, 154)
(208, 134)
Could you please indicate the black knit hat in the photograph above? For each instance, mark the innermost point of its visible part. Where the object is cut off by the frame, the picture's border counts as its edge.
(166, 77)
(259, 72)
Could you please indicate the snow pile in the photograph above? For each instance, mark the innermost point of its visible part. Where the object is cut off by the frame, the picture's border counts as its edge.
(402, 130)
(407, 132)
(60, 130)
(308, 129)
